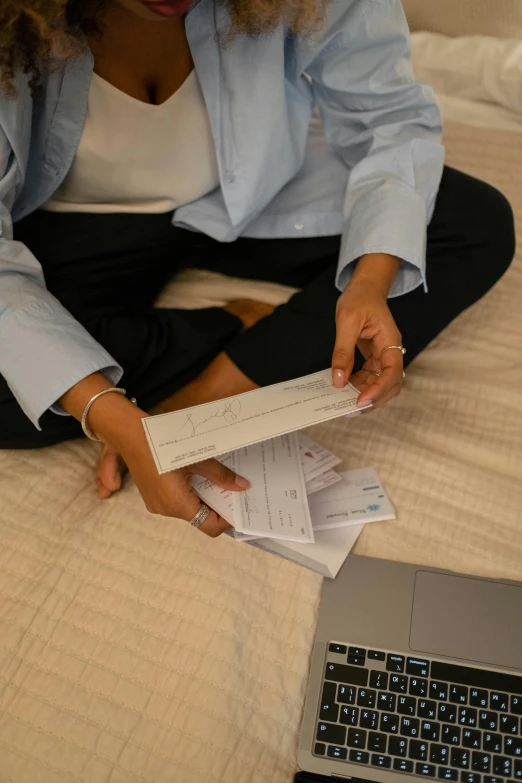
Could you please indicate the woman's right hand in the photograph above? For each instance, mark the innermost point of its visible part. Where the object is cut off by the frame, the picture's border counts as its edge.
(118, 423)
(171, 494)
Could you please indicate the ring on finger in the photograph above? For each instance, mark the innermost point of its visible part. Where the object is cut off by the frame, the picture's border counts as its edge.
(400, 348)
(378, 374)
(201, 516)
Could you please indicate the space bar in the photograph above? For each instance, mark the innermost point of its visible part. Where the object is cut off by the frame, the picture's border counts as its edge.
(479, 678)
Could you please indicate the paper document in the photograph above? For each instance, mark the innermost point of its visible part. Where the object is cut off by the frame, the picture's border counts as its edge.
(276, 504)
(359, 498)
(193, 434)
(315, 458)
(323, 481)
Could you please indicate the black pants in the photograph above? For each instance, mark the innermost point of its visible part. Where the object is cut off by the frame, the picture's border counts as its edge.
(108, 270)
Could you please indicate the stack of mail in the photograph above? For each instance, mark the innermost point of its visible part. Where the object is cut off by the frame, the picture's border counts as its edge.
(297, 505)
(296, 497)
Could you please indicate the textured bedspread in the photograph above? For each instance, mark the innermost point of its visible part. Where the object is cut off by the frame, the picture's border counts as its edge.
(133, 648)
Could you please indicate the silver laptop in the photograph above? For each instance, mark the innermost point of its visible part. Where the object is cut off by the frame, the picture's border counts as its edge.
(415, 673)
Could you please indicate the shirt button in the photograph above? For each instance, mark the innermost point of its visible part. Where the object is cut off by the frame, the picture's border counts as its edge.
(299, 226)
(230, 176)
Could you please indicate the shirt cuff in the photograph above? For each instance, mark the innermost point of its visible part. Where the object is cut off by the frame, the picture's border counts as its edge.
(50, 358)
(394, 223)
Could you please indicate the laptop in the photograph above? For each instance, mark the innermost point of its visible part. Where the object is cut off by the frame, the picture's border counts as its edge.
(416, 673)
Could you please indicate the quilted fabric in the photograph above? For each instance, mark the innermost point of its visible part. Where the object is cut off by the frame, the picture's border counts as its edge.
(132, 648)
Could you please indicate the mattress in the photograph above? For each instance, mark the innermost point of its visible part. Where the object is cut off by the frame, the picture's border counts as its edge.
(133, 648)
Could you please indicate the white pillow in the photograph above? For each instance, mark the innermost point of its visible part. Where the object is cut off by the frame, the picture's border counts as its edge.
(500, 18)
(479, 68)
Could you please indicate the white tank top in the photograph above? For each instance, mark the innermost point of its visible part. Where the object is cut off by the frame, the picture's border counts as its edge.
(138, 157)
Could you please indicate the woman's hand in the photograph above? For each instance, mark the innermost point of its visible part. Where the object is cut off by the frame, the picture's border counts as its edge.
(364, 320)
(118, 423)
(171, 494)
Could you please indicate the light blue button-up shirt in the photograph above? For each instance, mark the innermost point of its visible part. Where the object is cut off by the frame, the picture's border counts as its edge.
(370, 172)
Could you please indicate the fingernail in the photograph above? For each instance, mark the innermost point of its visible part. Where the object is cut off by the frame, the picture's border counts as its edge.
(364, 403)
(353, 415)
(242, 483)
(339, 379)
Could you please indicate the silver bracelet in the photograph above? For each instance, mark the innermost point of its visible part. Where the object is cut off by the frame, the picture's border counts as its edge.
(90, 434)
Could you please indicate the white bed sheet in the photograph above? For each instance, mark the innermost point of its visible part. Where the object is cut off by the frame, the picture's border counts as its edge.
(132, 648)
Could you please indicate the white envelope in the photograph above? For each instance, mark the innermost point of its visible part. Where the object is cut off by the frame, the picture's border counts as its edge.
(358, 499)
(194, 434)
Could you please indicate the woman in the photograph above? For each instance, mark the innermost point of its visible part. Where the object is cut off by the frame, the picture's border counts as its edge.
(142, 137)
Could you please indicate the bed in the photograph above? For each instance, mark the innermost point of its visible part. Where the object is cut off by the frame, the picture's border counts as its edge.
(135, 650)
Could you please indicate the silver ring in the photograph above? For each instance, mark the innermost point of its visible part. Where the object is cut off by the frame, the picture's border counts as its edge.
(400, 348)
(201, 516)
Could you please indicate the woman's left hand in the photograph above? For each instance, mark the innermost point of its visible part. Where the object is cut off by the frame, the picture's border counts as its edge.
(364, 320)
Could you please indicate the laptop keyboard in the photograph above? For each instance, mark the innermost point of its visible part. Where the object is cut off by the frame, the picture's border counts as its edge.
(420, 717)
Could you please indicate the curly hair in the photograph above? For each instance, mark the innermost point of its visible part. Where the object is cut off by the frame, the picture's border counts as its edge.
(34, 34)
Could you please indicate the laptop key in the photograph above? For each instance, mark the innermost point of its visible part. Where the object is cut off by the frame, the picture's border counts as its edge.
(357, 738)
(418, 750)
(499, 701)
(460, 758)
(398, 683)
(381, 761)
(330, 732)
(488, 720)
(377, 742)
(329, 709)
(439, 690)
(369, 719)
(478, 697)
(513, 746)
(418, 666)
(492, 743)
(509, 724)
(502, 766)
(398, 746)
(516, 705)
(471, 738)
(319, 749)
(410, 727)
(458, 694)
(386, 702)
(491, 779)
(446, 773)
(447, 713)
(366, 698)
(346, 694)
(359, 756)
(395, 663)
(376, 655)
(356, 660)
(335, 752)
(406, 705)
(340, 649)
(390, 723)
(468, 716)
(358, 651)
(470, 777)
(450, 734)
(430, 730)
(379, 680)
(427, 709)
(349, 716)
(403, 765)
(439, 754)
(517, 770)
(350, 675)
(418, 687)
(426, 770)
(480, 762)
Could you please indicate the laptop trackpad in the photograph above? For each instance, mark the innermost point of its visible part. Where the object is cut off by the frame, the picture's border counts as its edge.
(467, 618)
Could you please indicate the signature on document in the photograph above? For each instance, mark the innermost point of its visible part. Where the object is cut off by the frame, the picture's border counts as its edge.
(228, 411)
